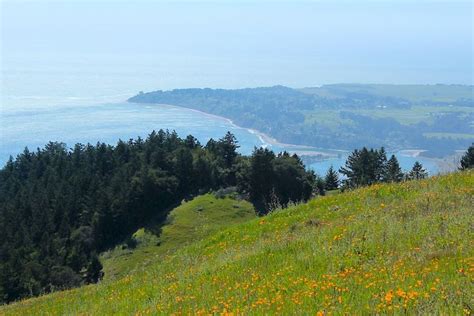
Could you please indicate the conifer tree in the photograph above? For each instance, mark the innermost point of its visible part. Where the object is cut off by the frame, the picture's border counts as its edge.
(417, 172)
(364, 167)
(393, 172)
(467, 160)
(332, 179)
(228, 146)
(381, 165)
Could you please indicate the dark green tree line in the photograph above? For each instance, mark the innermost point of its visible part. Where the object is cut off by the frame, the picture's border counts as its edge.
(368, 166)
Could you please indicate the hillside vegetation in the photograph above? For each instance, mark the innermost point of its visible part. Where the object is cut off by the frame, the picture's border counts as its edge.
(392, 248)
(189, 222)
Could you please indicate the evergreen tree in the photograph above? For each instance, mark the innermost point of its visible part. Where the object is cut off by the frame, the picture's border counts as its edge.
(331, 179)
(228, 146)
(364, 167)
(319, 185)
(417, 172)
(467, 160)
(393, 172)
(292, 182)
(261, 178)
(381, 165)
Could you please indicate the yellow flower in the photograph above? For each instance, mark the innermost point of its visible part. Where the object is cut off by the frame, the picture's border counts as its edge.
(389, 297)
(401, 293)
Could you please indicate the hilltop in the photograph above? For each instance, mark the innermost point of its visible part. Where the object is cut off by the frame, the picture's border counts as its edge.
(401, 248)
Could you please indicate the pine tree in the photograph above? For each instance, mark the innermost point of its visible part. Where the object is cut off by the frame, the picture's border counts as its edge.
(353, 169)
(261, 177)
(467, 160)
(417, 172)
(331, 180)
(228, 146)
(380, 164)
(393, 172)
(364, 167)
(319, 185)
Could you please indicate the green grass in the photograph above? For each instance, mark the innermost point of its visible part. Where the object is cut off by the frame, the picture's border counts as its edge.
(189, 222)
(414, 93)
(414, 115)
(386, 249)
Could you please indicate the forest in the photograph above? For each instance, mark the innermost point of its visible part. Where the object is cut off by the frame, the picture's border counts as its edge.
(61, 207)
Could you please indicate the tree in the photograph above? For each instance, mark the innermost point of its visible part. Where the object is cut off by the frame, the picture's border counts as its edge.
(467, 160)
(292, 182)
(393, 172)
(184, 169)
(228, 146)
(319, 185)
(380, 164)
(417, 172)
(364, 167)
(261, 178)
(331, 179)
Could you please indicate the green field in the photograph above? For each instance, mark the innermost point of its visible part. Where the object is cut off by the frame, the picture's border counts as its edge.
(414, 93)
(414, 115)
(387, 249)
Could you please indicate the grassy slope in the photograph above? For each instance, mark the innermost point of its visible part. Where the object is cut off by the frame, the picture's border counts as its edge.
(414, 115)
(403, 248)
(414, 93)
(191, 221)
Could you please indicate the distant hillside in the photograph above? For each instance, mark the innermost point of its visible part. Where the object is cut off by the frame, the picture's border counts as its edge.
(402, 249)
(416, 94)
(438, 118)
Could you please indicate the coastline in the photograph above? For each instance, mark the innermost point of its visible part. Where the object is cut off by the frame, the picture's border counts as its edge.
(319, 154)
(264, 138)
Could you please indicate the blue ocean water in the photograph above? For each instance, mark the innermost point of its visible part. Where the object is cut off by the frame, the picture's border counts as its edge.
(109, 123)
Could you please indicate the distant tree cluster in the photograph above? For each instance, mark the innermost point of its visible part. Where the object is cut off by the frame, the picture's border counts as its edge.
(368, 166)
(274, 181)
(60, 207)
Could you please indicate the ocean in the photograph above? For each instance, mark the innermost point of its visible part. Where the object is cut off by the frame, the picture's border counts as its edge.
(75, 99)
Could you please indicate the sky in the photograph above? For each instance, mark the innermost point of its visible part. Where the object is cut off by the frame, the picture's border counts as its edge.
(306, 42)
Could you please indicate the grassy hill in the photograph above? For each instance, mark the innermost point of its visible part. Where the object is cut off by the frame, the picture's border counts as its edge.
(189, 222)
(402, 249)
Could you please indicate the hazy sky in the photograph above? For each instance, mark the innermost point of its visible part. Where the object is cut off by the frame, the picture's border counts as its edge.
(362, 41)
